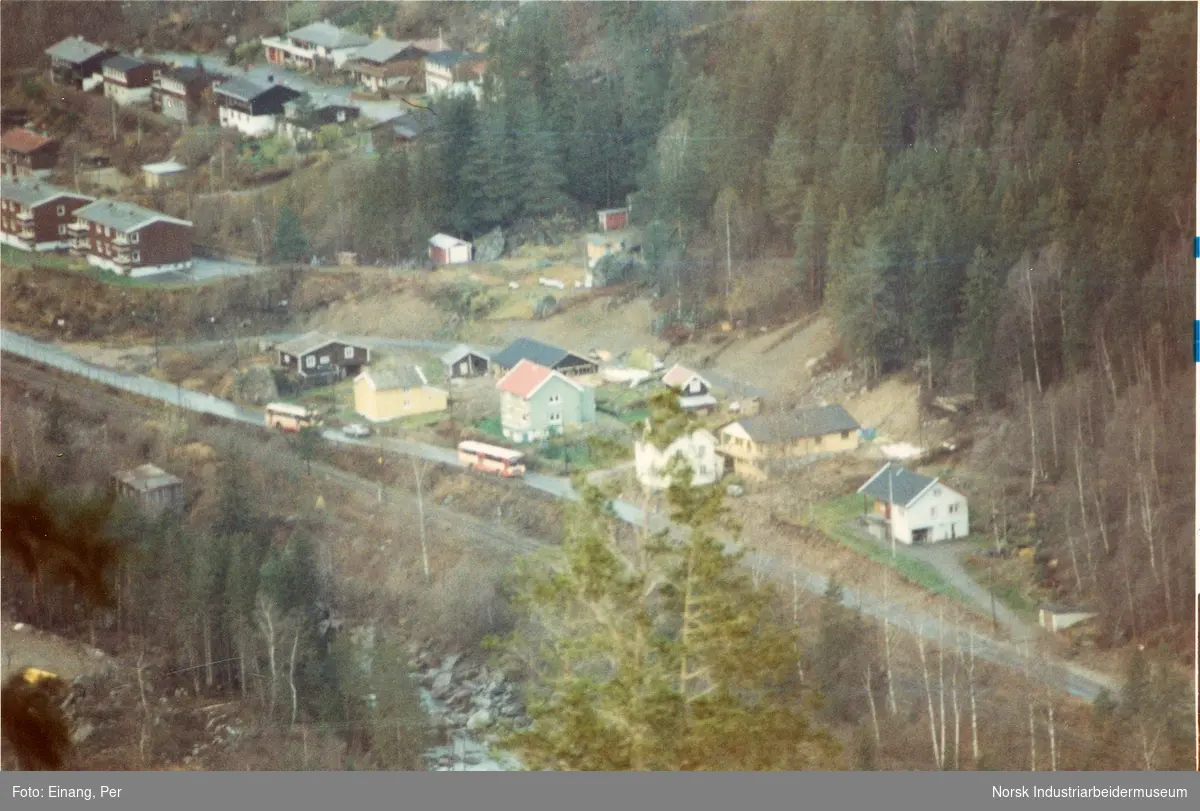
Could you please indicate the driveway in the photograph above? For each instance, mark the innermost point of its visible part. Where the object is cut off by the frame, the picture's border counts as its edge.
(203, 270)
(1073, 679)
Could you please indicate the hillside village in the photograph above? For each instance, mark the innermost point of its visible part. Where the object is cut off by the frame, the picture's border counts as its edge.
(351, 304)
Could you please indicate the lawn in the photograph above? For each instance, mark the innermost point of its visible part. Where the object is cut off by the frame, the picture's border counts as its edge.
(832, 518)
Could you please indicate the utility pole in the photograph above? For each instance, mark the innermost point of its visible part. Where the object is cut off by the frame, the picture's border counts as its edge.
(114, 120)
(728, 266)
(891, 506)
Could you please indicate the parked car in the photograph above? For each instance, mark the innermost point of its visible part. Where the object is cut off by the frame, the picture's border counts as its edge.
(357, 430)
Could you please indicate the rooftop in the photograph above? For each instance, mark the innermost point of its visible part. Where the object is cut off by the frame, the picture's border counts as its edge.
(123, 63)
(328, 35)
(25, 141)
(529, 349)
(524, 379)
(168, 167)
(36, 193)
(248, 90)
(461, 351)
(124, 216)
(303, 344)
(788, 426)
(446, 241)
(73, 49)
(395, 375)
(146, 478)
(679, 375)
(448, 59)
(896, 485)
(385, 49)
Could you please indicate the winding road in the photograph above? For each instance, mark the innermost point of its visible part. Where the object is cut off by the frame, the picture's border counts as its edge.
(1067, 677)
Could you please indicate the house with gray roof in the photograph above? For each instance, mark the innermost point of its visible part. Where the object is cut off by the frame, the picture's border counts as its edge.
(552, 357)
(35, 216)
(388, 64)
(394, 389)
(446, 69)
(317, 357)
(151, 488)
(75, 62)
(464, 361)
(131, 240)
(911, 508)
(128, 80)
(763, 445)
(319, 45)
(252, 108)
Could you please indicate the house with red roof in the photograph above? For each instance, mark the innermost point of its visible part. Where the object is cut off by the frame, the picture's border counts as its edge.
(537, 402)
(27, 153)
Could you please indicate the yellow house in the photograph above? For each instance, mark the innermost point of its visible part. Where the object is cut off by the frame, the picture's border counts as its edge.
(759, 445)
(390, 392)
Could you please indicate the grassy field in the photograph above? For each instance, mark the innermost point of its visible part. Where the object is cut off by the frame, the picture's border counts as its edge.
(832, 517)
(1014, 582)
(12, 257)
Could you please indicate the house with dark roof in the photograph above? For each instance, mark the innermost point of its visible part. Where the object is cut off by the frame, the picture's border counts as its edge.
(394, 389)
(26, 153)
(251, 108)
(912, 508)
(537, 402)
(463, 361)
(552, 357)
(316, 45)
(128, 80)
(36, 216)
(131, 240)
(401, 130)
(767, 444)
(301, 121)
(178, 93)
(75, 62)
(445, 69)
(318, 356)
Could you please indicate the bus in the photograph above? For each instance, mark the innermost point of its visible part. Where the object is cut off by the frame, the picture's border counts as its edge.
(288, 417)
(491, 458)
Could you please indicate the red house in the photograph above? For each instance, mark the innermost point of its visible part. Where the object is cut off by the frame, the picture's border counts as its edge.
(613, 219)
(35, 216)
(131, 240)
(26, 153)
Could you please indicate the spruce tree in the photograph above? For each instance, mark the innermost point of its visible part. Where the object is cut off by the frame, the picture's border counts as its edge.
(291, 244)
(538, 155)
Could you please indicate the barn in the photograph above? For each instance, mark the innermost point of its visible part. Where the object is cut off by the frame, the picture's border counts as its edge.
(463, 361)
(447, 250)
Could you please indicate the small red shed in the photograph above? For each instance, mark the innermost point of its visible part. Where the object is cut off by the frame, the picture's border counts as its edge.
(613, 219)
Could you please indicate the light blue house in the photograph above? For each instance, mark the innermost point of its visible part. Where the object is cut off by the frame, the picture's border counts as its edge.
(537, 402)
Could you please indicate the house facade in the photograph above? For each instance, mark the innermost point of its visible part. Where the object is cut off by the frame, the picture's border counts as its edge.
(613, 219)
(35, 216)
(388, 393)
(388, 64)
(317, 45)
(178, 93)
(697, 450)
(314, 355)
(463, 361)
(75, 62)
(131, 240)
(128, 80)
(695, 392)
(447, 250)
(302, 125)
(913, 508)
(552, 357)
(761, 446)
(445, 69)
(250, 108)
(537, 403)
(24, 153)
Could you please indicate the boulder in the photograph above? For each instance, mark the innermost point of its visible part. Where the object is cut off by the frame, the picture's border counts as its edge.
(479, 719)
(449, 661)
(441, 684)
(255, 385)
(613, 268)
(490, 246)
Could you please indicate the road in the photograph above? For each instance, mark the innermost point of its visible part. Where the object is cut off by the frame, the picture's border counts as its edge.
(1073, 679)
(362, 340)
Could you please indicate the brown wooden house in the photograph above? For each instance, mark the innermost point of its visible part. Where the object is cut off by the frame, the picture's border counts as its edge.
(75, 62)
(317, 356)
(178, 93)
(131, 240)
(36, 216)
(27, 153)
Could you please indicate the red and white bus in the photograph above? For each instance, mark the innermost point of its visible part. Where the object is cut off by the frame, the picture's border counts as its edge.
(491, 458)
(288, 417)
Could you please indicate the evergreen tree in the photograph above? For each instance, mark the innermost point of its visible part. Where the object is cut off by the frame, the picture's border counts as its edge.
(491, 176)
(291, 244)
(983, 306)
(540, 161)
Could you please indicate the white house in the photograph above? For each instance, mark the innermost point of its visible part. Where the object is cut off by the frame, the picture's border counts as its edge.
(698, 450)
(251, 108)
(314, 44)
(447, 250)
(916, 508)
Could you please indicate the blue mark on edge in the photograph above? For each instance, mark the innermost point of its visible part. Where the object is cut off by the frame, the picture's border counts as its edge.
(1197, 247)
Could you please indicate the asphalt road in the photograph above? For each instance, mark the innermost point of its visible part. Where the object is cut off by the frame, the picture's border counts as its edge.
(1073, 679)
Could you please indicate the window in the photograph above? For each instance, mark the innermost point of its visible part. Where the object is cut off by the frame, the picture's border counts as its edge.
(555, 417)
(845, 434)
(310, 362)
(555, 399)
(407, 400)
(324, 360)
(62, 210)
(62, 229)
(349, 352)
(932, 511)
(135, 236)
(937, 491)
(137, 256)
(953, 508)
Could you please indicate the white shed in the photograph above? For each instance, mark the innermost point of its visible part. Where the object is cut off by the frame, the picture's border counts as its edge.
(447, 250)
